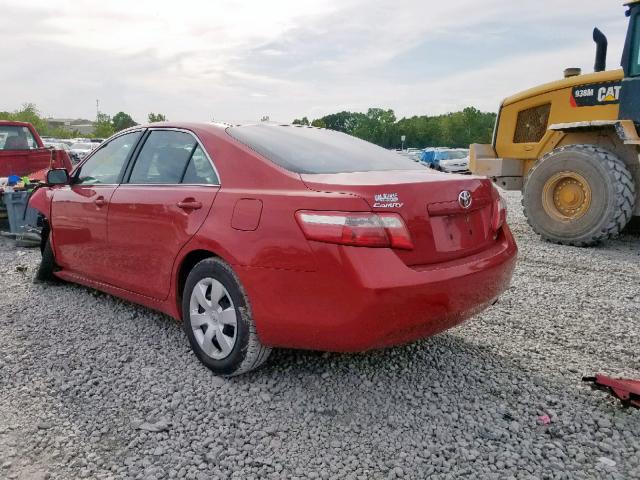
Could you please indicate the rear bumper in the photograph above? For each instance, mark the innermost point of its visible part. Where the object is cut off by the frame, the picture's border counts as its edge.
(361, 298)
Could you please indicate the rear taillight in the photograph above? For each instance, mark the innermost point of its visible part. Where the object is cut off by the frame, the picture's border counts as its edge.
(499, 216)
(356, 229)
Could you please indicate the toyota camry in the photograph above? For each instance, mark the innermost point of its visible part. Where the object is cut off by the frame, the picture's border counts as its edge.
(265, 236)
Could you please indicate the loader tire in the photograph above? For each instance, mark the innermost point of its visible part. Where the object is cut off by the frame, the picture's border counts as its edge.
(579, 195)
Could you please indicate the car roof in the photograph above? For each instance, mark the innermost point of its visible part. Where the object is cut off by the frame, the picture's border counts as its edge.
(196, 127)
(11, 123)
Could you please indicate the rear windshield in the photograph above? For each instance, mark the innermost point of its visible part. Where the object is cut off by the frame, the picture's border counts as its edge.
(14, 137)
(315, 150)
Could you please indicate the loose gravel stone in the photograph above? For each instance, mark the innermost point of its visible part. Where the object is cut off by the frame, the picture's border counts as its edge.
(95, 387)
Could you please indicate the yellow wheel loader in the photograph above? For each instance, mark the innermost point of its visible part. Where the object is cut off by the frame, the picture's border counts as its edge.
(572, 147)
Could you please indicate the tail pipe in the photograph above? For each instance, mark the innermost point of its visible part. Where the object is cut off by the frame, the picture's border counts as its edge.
(601, 50)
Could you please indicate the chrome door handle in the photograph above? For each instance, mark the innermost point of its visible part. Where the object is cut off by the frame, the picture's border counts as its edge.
(100, 201)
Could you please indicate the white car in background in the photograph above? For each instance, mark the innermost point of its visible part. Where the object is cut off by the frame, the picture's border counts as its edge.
(57, 144)
(454, 161)
(79, 150)
(412, 153)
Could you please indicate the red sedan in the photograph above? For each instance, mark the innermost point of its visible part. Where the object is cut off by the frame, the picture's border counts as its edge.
(262, 236)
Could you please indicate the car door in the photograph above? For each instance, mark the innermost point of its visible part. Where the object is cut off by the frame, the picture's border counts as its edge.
(79, 211)
(167, 196)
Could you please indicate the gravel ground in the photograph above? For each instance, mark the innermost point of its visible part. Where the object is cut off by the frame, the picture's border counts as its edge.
(94, 387)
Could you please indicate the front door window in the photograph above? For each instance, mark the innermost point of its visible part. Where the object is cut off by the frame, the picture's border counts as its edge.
(106, 164)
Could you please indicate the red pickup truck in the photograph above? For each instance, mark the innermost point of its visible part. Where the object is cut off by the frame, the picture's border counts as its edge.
(22, 152)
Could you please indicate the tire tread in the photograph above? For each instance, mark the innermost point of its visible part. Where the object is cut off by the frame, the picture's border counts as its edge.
(625, 200)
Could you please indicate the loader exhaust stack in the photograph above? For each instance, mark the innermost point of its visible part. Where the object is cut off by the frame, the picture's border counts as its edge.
(601, 50)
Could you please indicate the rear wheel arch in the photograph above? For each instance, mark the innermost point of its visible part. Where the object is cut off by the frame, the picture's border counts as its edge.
(189, 261)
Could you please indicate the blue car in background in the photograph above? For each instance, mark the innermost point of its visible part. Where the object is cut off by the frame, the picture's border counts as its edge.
(451, 160)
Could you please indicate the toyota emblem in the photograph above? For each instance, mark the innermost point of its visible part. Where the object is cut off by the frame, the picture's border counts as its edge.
(464, 199)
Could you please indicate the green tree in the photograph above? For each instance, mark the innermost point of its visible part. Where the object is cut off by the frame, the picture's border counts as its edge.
(156, 117)
(103, 127)
(29, 113)
(121, 121)
(319, 123)
(344, 121)
(60, 132)
(380, 126)
(301, 121)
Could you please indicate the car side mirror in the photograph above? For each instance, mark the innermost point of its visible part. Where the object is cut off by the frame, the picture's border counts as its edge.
(58, 176)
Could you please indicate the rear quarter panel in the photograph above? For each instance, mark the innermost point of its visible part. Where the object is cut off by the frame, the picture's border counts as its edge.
(277, 241)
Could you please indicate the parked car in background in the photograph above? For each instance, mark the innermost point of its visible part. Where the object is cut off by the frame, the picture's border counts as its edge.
(262, 236)
(60, 145)
(23, 153)
(450, 160)
(79, 150)
(411, 153)
(457, 161)
(55, 143)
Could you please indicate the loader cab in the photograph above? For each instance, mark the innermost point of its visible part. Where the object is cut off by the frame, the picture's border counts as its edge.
(630, 92)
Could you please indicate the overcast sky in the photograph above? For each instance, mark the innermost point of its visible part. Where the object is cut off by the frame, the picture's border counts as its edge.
(237, 60)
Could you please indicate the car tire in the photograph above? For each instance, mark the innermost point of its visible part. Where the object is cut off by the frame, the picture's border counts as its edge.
(47, 265)
(611, 195)
(218, 321)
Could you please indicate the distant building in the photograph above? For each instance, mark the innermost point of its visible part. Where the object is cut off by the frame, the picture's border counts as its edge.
(81, 125)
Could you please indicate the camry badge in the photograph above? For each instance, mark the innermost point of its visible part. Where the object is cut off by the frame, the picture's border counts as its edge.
(387, 200)
(464, 199)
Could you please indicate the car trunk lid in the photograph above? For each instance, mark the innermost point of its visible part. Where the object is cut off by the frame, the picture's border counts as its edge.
(442, 226)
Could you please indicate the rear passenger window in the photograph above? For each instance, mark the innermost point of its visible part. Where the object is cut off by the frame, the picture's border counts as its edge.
(163, 158)
(199, 171)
